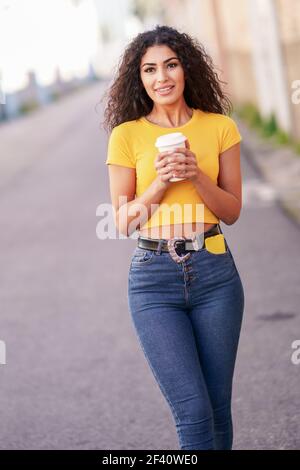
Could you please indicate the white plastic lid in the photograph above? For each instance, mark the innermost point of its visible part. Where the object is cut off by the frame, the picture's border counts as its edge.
(173, 138)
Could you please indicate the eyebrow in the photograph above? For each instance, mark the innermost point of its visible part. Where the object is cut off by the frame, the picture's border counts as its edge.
(151, 63)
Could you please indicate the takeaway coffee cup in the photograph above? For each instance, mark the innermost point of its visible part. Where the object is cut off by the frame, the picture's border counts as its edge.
(168, 142)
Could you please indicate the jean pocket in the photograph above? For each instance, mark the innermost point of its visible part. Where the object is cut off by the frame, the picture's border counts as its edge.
(226, 254)
(216, 246)
(142, 257)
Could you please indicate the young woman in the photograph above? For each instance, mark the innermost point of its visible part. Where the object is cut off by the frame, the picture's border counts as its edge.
(185, 294)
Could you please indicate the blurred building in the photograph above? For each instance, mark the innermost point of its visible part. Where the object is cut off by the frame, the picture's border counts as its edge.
(256, 45)
(50, 47)
(117, 25)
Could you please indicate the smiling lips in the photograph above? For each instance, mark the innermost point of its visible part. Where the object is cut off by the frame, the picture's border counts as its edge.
(165, 90)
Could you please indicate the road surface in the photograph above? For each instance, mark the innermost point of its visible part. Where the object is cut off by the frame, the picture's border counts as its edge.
(75, 376)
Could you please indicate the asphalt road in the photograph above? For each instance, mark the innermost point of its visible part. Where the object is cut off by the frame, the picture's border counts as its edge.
(75, 376)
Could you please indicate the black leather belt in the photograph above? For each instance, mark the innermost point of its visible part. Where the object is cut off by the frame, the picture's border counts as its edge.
(187, 244)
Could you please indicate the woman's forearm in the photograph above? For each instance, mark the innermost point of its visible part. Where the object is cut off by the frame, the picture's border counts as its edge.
(139, 209)
(223, 204)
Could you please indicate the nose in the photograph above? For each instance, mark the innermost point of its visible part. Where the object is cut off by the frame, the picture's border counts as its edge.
(161, 75)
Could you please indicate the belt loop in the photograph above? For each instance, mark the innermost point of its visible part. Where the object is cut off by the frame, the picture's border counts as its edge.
(160, 244)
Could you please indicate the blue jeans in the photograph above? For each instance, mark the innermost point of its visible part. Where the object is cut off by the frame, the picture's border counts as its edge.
(188, 317)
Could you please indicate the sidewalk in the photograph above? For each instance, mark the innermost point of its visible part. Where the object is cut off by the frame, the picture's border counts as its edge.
(279, 166)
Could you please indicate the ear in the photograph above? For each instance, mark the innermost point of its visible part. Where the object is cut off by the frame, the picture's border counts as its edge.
(187, 144)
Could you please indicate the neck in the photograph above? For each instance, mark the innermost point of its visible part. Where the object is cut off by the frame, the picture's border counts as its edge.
(170, 116)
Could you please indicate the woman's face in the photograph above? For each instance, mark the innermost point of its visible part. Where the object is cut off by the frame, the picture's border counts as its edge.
(160, 68)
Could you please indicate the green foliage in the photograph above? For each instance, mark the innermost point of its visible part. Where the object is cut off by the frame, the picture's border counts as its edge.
(269, 126)
(266, 127)
(250, 114)
(28, 107)
(296, 147)
(282, 137)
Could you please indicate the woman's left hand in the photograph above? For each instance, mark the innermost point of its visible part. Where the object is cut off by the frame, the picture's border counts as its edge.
(184, 162)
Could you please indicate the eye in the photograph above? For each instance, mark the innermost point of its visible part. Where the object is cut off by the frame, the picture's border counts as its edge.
(173, 63)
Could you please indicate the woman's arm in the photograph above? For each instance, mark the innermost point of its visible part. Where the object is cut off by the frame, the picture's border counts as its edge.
(127, 208)
(224, 200)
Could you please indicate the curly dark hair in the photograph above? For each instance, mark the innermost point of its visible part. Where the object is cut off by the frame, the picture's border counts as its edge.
(127, 97)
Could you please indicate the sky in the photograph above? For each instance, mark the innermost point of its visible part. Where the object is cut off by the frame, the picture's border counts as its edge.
(43, 35)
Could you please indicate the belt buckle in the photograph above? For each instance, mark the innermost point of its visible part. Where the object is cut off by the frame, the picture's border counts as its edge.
(198, 241)
(172, 242)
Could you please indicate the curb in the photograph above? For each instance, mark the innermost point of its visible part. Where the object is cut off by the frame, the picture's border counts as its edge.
(278, 166)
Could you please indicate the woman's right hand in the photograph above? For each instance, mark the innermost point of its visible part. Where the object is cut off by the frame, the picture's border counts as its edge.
(164, 170)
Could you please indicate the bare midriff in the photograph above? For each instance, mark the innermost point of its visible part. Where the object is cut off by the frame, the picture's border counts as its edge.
(175, 230)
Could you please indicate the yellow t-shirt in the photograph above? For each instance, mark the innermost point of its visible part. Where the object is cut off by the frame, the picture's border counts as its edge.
(131, 144)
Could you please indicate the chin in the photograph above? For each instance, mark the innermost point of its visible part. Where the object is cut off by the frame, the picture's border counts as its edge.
(166, 99)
